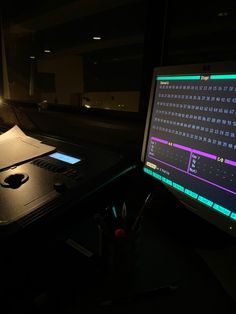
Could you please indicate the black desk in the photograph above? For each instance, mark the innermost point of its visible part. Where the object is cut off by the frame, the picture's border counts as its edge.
(164, 256)
(53, 185)
(62, 279)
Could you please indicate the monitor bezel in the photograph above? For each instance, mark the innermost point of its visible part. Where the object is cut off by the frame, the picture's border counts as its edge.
(205, 212)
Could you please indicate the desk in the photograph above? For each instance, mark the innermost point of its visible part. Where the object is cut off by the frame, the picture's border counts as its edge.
(69, 282)
(164, 258)
(43, 186)
(166, 254)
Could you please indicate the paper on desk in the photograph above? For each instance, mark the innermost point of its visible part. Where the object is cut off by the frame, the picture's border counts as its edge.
(15, 131)
(16, 147)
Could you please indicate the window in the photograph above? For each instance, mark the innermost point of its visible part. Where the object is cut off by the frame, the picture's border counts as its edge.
(86, 53)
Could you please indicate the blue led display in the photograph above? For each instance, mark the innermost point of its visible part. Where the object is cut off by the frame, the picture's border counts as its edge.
(66, 158)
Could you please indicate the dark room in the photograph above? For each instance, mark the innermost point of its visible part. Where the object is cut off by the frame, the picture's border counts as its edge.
(118, 156)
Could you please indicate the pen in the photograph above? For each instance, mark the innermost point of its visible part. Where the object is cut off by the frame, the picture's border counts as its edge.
(124, 211)
(114, 211)
(141, 212)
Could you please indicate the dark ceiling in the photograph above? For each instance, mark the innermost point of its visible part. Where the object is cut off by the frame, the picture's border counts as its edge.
(68, 26)
(199, 28)
(194, 32)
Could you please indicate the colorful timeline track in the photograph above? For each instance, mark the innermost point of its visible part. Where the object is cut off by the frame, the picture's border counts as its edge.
(195, 77)
(192, 194)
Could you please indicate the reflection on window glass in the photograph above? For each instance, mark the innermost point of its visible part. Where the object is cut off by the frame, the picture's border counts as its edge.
(86, 53)
(202, 32)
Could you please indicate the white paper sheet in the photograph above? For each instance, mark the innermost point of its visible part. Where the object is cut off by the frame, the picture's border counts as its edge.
(16, 147)
(15, 131)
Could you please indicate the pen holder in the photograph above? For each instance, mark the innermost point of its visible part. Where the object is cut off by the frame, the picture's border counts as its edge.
(122, 257)
(118, 247)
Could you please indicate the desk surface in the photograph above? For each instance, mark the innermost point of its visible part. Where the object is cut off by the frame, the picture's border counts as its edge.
(40, 187)
(166, 253)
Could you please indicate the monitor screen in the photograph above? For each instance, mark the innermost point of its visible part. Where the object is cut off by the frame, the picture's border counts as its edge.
(190, 139)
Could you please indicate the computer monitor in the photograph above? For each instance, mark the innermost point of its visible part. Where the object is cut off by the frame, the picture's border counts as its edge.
(190, 138)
